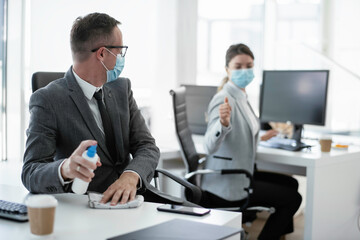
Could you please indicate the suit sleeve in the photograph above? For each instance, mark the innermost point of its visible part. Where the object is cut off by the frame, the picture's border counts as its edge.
(215, 132)
(40, 170)
(142, 144)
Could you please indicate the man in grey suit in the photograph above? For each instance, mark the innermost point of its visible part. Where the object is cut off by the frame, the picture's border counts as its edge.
(89, 106)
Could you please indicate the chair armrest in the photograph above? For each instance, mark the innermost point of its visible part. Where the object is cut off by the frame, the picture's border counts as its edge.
(237, 171)
(194, 190)
(201, 160)
(200, 172)
(240, 171)
(270, 210)
(224, 172)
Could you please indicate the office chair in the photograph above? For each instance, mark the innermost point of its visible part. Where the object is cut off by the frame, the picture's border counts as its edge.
(192, 160)
(199, 97)
(41, 79)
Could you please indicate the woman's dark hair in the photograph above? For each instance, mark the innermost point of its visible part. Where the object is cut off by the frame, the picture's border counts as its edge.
(233, 51)
(89, 32)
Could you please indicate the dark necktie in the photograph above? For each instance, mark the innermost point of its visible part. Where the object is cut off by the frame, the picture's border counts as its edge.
(109, 133)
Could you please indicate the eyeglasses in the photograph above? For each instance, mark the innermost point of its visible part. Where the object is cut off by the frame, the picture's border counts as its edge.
(122, 53)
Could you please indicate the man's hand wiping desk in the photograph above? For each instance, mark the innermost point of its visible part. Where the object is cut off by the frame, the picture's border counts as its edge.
(95, 198)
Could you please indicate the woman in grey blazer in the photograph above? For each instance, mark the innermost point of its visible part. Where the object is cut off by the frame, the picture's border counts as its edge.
(231, 141)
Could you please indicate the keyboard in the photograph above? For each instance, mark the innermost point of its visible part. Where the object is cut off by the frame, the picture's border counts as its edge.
(13, 211)
(283, 143)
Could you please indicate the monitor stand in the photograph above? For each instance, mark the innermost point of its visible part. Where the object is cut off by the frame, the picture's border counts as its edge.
(297, 132)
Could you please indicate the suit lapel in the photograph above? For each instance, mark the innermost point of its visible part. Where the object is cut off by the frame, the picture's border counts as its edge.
(114, 113)
(255, 139)
(78, 97)
(246, 116)
(231, 89)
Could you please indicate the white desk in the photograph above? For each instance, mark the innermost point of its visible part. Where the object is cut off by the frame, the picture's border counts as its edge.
(332, 191)
(75, 220)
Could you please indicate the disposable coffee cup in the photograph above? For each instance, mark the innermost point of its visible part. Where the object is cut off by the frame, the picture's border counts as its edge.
(325, 144)
(41, 211)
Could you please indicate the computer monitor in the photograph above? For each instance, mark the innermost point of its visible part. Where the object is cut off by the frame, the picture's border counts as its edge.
(296, 96)
(197, 100)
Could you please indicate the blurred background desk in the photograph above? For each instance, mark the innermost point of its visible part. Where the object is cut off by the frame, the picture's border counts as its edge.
(75, 220)
(332, 186)
(332, 189)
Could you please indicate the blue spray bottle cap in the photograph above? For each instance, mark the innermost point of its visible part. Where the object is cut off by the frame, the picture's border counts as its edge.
(91, 151)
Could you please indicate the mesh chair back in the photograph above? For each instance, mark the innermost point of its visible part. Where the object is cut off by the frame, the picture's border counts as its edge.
(41, 79)
(183, 133)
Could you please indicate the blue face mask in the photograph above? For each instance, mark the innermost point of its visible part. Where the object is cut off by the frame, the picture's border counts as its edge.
(242, 77)
(119, 66)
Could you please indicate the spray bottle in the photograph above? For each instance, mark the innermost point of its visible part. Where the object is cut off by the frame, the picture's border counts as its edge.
(79, 186)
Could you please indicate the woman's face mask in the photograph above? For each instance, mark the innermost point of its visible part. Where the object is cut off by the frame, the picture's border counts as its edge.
(242, 77)
(119, 66)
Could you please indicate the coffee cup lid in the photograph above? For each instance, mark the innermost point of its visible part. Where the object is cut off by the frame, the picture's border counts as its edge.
(325, 137)
(41, 201)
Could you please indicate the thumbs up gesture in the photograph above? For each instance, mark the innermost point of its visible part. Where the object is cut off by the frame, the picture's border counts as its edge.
(225, 112)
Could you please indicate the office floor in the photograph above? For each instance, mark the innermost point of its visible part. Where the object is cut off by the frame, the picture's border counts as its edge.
(258, 224)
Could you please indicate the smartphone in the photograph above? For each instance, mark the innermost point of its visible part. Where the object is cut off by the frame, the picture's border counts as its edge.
(183, 210)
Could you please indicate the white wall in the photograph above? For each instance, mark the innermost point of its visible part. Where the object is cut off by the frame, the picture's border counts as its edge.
(345, 51)
(50, 33)
(176, 62)
(15, 74)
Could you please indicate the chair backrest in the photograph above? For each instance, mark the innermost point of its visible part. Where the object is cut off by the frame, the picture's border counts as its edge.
(41, 79)
(197, 99)
(183, 133)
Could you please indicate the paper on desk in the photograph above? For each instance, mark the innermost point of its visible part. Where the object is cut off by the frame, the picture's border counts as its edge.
(94, 202)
